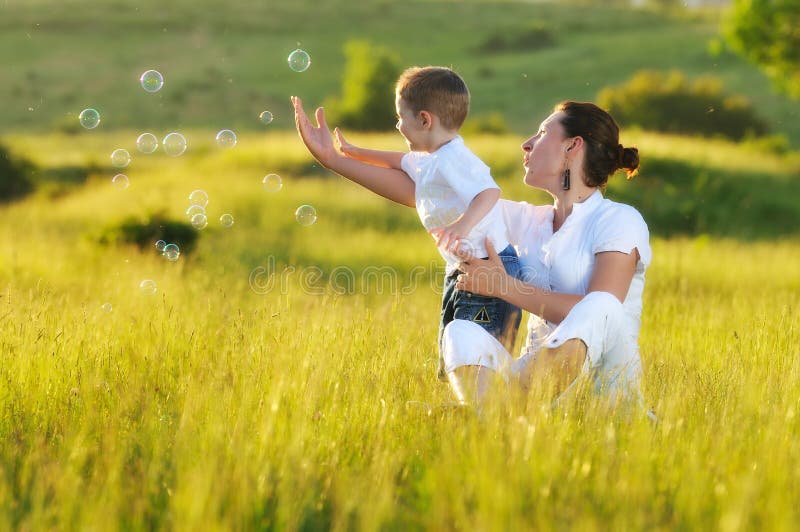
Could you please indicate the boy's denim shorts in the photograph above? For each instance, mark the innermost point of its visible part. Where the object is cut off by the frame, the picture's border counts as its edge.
(498, 317)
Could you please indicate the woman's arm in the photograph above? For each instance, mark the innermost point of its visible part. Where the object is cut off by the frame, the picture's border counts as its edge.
(389, 183)
(613, 272)
(383, 158)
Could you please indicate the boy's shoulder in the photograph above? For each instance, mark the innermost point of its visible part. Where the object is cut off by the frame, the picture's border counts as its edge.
(457, 152)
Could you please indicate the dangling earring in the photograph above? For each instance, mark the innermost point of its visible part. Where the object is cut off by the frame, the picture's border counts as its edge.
(566, 184)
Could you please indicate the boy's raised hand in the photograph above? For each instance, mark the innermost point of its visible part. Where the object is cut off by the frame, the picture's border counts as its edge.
(345, 147)
(317, 138)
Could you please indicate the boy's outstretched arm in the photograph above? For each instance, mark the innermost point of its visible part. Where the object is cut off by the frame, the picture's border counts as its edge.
(386, 159)
(387, 182)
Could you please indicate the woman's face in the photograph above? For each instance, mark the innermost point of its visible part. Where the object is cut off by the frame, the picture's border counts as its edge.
(545, 154)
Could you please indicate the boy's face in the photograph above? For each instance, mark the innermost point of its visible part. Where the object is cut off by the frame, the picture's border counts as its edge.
(409, 125)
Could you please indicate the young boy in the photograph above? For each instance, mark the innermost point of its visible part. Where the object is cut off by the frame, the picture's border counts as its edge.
(455, 195)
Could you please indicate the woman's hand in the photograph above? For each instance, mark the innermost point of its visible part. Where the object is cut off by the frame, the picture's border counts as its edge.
(486, 277)
(317, 139)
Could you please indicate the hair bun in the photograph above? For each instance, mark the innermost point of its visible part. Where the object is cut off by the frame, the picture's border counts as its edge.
(628, 159)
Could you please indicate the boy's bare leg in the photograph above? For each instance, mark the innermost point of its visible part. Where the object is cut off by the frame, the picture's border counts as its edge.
(472, 385)
(552, 370)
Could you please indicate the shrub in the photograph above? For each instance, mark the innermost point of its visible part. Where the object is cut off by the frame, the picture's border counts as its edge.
(367, 101)
(670, 103)
(16, 176)
(533, 36)
(145, 232)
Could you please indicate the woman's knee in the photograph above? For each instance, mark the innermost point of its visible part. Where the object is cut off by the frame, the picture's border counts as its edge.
(605, 305)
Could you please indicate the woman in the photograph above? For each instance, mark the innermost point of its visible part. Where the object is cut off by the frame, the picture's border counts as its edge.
(583, 257)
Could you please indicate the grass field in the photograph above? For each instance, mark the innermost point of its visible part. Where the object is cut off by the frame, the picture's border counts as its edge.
(224, 401)
(273, 380)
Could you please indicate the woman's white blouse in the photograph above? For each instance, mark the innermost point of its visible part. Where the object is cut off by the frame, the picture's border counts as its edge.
(563, 261)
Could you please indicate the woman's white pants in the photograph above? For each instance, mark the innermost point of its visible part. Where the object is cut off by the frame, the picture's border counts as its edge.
(599, 320)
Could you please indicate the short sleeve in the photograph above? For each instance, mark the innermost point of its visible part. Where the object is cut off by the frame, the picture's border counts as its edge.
(622, 229)
(409, 163)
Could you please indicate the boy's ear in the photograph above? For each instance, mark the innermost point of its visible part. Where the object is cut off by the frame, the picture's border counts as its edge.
(426, 118)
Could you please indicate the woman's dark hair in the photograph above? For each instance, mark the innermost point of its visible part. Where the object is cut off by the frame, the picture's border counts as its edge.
(600, 133)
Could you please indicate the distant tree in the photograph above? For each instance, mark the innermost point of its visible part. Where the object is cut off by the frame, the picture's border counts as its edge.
(367, 101)
(767, 32)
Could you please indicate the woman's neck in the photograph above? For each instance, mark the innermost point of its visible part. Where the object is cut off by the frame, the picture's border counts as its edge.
(564, 200)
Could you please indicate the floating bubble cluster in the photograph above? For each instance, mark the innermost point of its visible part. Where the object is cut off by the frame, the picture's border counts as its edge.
(175, 144)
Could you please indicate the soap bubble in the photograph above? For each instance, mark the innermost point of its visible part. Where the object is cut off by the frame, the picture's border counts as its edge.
(106, 307)
(89, 118)
(272, 183)
(172, 252)
(226, 138)
(120, 181)
(174, 144)
(299, 60)
(195, 209)
(198, 197)
(226, 220)
(120, 158)
(265, 117)
(152, 81)
(147, 143)
(160, 245)
(306, 215)
(148, 287)
(199, 221)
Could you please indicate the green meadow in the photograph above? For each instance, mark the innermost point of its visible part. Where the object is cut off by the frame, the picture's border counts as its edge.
(274, 379)
(225, 62)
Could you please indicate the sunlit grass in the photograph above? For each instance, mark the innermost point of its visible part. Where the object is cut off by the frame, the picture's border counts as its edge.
(223, 403)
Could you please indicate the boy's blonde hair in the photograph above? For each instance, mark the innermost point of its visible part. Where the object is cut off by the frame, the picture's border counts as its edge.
(438, 90)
